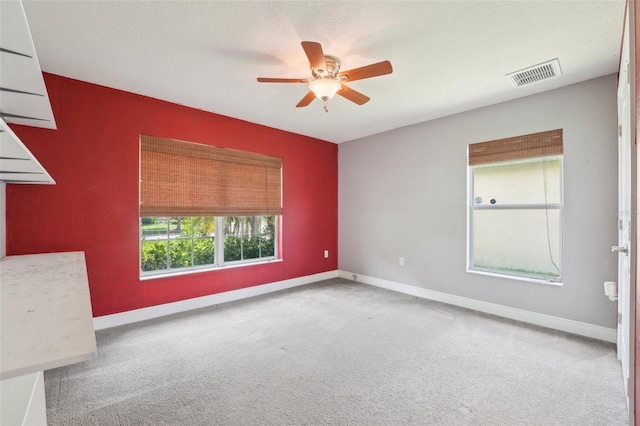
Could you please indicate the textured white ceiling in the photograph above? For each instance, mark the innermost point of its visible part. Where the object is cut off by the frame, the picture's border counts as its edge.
(448, 56)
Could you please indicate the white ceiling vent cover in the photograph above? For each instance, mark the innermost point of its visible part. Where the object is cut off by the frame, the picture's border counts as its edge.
(535, 73)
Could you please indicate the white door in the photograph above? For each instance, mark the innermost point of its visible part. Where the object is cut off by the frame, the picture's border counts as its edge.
(624, 218)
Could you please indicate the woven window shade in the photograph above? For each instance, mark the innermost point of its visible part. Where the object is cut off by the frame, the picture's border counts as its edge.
(517, 148)
(188, 179)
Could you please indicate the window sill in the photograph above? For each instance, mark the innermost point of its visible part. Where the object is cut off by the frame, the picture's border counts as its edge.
(176, 273)
(516, 277)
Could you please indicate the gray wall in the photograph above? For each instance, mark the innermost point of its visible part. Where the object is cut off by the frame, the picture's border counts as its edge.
(403, 193)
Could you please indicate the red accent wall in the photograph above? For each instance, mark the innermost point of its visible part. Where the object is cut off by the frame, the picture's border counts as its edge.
(93, 157)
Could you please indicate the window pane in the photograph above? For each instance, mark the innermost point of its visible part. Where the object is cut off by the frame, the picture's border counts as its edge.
(267, 245)
(180, 256)
(202, 230)
(267, 236)
(232, 249)
(249, 237)
(154, 226)
(251, 247)
(187, 241)
(153, 246)
(201, 226)
(154, 255)
(518, 183)
(204, 251)
(518, 241)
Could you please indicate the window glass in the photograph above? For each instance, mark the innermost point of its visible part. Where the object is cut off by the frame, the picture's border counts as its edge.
(249, 237)
(515, 218)
(517, 241)
(154, 246)
(176, 243)
(530, 182)
(202, 233)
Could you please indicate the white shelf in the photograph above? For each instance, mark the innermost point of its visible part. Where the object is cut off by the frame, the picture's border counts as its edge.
(23, 99)
(46, 315)
(17, 163)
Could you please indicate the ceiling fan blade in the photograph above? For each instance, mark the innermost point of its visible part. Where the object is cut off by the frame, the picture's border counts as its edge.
(282, 80)
(368, 71)
(315, 55)
(352, 95)
(306, 100)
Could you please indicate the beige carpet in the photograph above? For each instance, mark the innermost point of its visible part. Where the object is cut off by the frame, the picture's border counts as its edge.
(338, 353)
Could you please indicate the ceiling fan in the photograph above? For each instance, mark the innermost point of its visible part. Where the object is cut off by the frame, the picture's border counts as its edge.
(328, 80)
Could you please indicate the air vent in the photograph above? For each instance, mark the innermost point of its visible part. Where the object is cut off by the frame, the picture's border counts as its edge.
(535, 73)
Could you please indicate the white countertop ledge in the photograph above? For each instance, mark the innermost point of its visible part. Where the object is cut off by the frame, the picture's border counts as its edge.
(45, 313)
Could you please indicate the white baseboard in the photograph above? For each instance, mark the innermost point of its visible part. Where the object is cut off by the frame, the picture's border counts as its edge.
(136, 315)
(548, 321)
(556, 323)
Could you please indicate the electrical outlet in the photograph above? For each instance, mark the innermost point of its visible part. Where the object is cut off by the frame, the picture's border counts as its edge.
(401, 261)
(326, 254)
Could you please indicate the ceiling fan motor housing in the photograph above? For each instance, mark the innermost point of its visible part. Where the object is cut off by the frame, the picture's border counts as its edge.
(332, 69)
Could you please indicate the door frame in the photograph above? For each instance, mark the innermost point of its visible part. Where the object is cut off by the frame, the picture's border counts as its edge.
(632, 20)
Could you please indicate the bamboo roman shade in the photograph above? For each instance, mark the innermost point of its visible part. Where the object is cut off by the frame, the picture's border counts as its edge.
(188, 179)
(517, 148)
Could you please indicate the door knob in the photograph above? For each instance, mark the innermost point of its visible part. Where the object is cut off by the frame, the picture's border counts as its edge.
(619, 249)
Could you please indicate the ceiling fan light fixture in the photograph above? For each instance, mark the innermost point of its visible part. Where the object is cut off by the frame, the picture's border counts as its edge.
(324, 88)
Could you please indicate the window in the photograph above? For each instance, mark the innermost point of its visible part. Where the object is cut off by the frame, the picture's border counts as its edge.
(205, 207)
(249, 237)
(515, 207)
(176, 243)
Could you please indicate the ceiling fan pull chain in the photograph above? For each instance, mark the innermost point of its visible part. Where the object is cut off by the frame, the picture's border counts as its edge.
(325, 107)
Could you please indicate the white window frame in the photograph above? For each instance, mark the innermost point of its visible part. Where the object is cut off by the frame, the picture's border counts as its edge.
(219, 262)
(471, 207)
